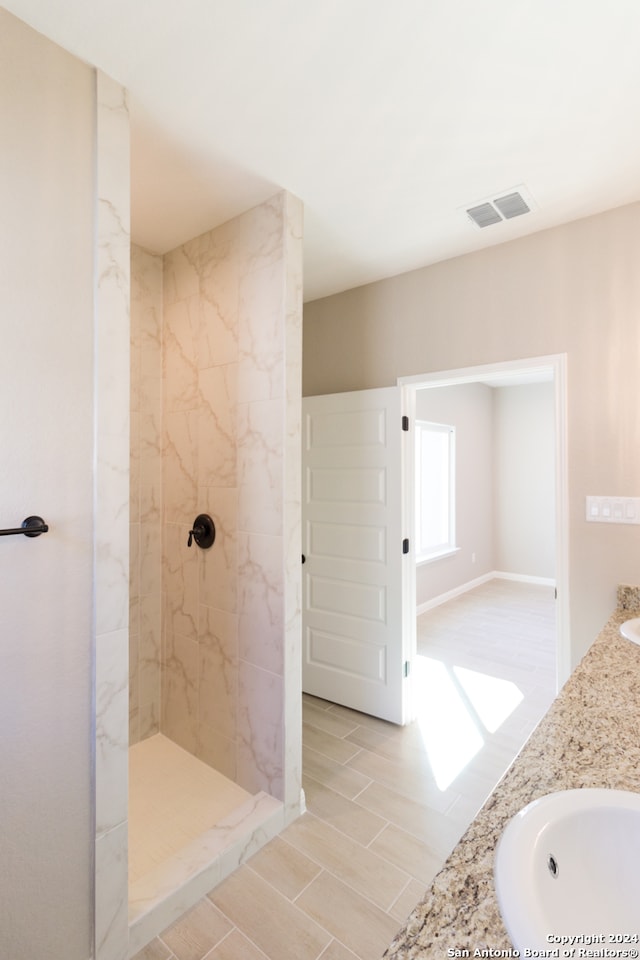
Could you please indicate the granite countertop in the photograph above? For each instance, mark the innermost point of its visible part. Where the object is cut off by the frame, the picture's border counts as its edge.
(590, 737)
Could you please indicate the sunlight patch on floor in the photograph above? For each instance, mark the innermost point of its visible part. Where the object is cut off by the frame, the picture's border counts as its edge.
(456, 706)
(492, 698)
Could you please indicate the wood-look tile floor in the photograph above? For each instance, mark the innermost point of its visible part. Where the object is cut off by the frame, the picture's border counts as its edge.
(385, 804)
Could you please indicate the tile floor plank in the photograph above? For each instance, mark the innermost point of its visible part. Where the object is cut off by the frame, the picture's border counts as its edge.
(193, 935)
(276, 926)
(236, 947)
(337, 951)
(334, 775)
(411, 855)
(351, 918)
(336, 748)
(359, 867)
(284, 867)
(356, 819)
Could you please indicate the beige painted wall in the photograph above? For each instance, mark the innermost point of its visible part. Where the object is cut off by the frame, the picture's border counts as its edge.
(47, 249)
(505, 483)
(574, 289)
(524, 459)
(469, 408)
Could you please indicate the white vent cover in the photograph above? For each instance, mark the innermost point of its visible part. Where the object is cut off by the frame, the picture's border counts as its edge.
(497, 209)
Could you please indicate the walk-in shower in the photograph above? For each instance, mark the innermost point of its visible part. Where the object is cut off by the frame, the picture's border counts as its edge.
(214, 630)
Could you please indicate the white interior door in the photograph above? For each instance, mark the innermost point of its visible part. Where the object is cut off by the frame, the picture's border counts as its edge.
(356, 640)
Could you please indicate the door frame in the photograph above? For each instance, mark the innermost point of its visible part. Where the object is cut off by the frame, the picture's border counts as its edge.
(516, 371)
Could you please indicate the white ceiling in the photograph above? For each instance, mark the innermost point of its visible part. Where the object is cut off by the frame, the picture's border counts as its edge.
(386, 118)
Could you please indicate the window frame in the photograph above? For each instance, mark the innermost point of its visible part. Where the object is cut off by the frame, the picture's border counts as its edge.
(448, 546)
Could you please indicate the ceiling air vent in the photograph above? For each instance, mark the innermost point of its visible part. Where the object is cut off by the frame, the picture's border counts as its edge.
(512, 205)
(484, 214)
(501, 208)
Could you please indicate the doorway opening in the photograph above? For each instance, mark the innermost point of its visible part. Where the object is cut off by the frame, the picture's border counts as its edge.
(492, 606)
(491, 706)
(360, 560)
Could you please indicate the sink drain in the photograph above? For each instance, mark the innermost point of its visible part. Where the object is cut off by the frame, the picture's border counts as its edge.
(552, 864)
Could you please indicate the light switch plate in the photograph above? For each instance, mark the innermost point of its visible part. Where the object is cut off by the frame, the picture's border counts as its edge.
(613, 509)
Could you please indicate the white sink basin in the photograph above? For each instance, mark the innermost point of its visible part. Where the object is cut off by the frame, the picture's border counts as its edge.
(631, 629)
(568, 865)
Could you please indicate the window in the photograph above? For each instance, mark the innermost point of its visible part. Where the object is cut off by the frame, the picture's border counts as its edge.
(435, 490)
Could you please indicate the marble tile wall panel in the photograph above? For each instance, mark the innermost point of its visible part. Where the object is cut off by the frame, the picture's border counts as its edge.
(291, 526)
(149, 654)
(260, 440)
(111, 907)
(260, 421)
(218, 341)
(218, 689)
(112, 666)
(180, 580)
(134, 437)
(260, 730)
(180, 333)
(111, 530)
(261, 620)
(180, 666)
(181, 279)
(261, 332)
(227, 304)
(218, 676)
(180, 466)
(258, 234)
(145, 570)
(217, 426)
(218, 567)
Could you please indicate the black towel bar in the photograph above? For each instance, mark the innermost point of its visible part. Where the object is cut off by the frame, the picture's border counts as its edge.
(31, 527)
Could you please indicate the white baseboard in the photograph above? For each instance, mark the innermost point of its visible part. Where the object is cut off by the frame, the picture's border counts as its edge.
(472, 584)
(523, 578)
(450, 594)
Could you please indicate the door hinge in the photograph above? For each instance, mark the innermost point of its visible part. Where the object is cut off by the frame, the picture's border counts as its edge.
(405, 423)
(407, 668)
(405, 545)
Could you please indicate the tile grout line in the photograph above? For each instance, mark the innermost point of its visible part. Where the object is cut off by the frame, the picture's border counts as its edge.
(322, 783)
(387, 823)
(402, 892)
(209, 953)
(293, 900)
(327, 870)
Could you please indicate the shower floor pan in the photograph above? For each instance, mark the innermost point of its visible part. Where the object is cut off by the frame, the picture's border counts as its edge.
(189, 828)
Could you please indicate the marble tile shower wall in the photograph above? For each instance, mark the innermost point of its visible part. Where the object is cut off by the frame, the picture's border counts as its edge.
(111, 547)
(145, 571)
(224, 325)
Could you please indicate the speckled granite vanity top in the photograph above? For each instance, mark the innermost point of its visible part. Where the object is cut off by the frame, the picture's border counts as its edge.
(589, 738)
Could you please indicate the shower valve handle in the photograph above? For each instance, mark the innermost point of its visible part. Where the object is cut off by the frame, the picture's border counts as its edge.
(203, 531)
(196, 532)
